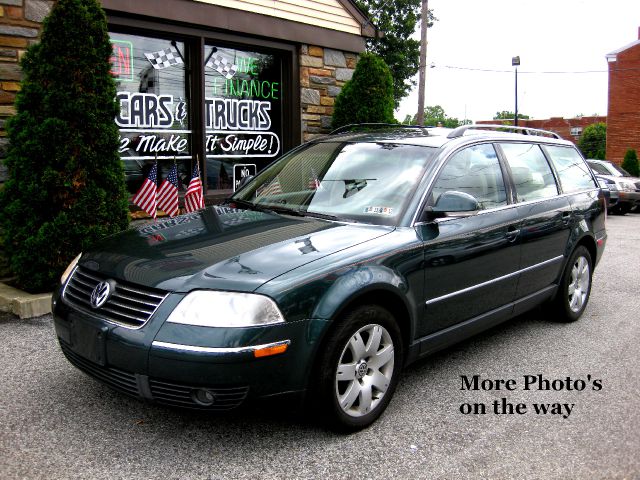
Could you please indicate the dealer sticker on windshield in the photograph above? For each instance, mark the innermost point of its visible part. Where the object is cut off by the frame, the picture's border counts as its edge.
(379, 210)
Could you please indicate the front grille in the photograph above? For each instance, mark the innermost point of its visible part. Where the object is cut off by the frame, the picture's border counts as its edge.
(182, 395)
(129, 305)
(124, 382)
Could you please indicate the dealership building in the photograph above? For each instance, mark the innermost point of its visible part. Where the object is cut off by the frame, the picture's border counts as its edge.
(231, 83)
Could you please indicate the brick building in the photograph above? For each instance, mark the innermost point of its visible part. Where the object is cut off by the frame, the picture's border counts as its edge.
(623, 126)
(567, 128)
(206, 62)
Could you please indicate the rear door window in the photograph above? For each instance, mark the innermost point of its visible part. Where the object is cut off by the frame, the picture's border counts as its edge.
(573, 171)
(532, 175)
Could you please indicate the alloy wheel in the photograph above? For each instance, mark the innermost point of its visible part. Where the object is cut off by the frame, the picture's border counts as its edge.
(578, 289)
(365, 370)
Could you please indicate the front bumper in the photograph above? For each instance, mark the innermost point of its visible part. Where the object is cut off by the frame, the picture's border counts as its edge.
(177, 364)
(632, 198)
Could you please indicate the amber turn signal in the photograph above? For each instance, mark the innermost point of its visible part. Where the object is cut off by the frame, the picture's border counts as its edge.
(271, 350)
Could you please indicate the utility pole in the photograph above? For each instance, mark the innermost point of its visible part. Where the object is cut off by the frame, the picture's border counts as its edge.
(422, 71)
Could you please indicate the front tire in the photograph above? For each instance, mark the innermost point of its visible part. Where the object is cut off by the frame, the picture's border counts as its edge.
(359, 369)
(575, 287)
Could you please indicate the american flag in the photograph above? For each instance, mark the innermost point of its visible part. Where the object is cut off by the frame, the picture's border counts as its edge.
(314, 182)
(168, 193)
(147, 196)
(194, 200)
(271, 188)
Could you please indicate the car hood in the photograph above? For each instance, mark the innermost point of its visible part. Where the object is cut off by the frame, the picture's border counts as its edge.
(634, 180)
(222, 248)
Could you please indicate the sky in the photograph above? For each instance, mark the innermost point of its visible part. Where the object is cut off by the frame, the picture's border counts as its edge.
(570, 36)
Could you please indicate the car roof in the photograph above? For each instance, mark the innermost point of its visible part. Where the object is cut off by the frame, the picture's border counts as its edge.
(438, 136)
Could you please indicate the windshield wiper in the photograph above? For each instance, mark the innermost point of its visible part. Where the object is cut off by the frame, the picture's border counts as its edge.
(325, 216)
(247, 204)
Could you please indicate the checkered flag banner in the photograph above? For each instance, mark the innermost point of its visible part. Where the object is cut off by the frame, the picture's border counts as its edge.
(222, 66)
(164, 58)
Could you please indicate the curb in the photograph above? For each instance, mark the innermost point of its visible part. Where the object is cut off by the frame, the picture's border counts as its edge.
(23, 304)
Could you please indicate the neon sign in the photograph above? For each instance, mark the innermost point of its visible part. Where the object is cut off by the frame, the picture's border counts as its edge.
(122, 60)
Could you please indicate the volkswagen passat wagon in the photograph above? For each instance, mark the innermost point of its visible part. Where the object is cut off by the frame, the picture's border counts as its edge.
(336, 266)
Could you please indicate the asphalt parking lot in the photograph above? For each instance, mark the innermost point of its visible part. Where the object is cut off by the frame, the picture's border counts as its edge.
(57, 423)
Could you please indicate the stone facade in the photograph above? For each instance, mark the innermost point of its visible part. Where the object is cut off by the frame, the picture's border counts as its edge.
(323, 73)
(20, 25)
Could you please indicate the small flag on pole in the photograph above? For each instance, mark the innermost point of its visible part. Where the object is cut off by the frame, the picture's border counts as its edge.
(314, 182)
(223, 66)
(147, 196)
(194, 200)
(168, 193)
(164, 58)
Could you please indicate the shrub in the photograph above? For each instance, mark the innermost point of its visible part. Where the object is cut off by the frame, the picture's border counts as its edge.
(630, 162)
(368, 96)
(65, 186)
(593, 142)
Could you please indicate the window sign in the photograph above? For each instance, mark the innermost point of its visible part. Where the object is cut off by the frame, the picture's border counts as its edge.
(243, 112)
(153, 97)
(242, 171)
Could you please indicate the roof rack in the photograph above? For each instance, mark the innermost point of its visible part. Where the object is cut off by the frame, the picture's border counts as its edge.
(458, 132)
(351, 126)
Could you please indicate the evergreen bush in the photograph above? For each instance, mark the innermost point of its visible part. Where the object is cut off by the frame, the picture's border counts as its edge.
(368, 96)
(630, 162)
(65, 186)
(593, 141)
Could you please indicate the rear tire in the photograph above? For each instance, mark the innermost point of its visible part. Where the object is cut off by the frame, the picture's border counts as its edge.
(574, 288)
(359, 368)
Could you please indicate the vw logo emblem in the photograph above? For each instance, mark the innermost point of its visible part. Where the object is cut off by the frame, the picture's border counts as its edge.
(100, 294)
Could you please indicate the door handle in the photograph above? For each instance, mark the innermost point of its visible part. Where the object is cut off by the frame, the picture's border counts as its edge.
(566, 218)
(512, 233)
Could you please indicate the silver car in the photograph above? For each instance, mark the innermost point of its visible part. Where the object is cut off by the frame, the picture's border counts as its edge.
(620, 181)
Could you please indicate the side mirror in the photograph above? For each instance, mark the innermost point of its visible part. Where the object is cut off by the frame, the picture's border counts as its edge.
(451, 204)
(454, 201)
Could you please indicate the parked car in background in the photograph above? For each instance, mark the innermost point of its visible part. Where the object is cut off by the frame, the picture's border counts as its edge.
(626, 186)
(345, 260)
(609, 191)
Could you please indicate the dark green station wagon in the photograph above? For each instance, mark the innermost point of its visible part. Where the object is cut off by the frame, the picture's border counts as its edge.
(347, 259)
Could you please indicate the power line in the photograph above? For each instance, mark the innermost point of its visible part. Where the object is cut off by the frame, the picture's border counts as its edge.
(558, 72)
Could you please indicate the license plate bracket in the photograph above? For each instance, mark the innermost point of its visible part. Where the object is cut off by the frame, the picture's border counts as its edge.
(89, 341)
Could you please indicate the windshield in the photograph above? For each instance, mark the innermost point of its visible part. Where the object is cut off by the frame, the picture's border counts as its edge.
(365, 182)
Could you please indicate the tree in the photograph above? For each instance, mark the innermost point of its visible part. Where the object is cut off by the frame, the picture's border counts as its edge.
(507, 115)
(593, 142)
(398, 21)
(435, 116)
(65, 186)
(630, 162)
(368, 96)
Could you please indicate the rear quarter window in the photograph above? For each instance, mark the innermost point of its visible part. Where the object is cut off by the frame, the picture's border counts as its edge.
(573, 171)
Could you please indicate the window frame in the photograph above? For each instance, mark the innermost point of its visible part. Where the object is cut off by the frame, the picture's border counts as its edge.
(195, 40)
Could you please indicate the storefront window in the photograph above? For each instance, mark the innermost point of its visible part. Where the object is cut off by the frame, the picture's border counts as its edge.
(243, 113)
(153, 94)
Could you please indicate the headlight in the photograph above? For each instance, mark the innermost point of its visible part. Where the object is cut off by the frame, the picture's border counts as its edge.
(225, 309)
(626, 186)
(69, 269)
